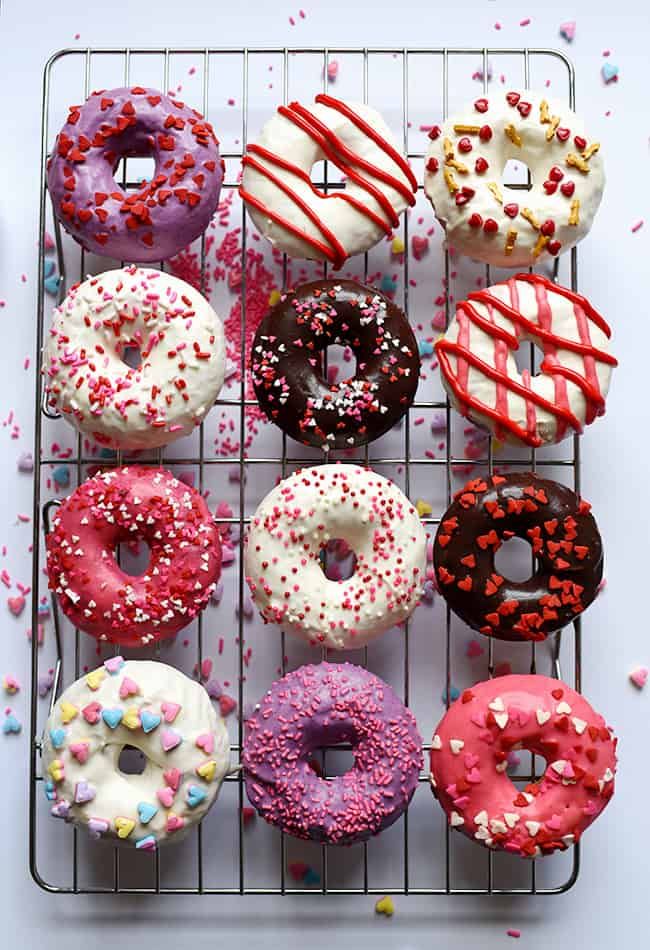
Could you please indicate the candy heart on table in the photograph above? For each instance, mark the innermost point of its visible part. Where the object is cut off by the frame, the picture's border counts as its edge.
(609, 72)
(124, 826)
(146, 811)
(97, 827)
(195, 795)
(385, 906)
(568, 31)
(10, 684)
(57, 737)
(112, 717)
(169, 739)
(170, 710)
(146, 844)
(84, 792)
(80, 751)
(11, 726)
(226, 705)
(205, 742)
(639, 677)
(16, 604)
(173, 778)
(174, 823)
(149, 720)
(128, 687)
(114, 664)
(419, 246)
(92, 713)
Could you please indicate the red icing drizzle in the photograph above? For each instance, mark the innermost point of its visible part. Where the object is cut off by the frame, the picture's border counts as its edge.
(550, 365)
(344, 158)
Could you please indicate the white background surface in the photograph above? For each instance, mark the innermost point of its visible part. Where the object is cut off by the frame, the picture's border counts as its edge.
(607, 903)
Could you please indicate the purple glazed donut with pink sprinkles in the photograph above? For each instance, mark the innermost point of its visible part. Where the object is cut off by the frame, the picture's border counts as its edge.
(325, 705)
(167, 212)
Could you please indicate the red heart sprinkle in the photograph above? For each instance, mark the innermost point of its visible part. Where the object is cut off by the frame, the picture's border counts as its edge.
(580, 142)
(485, 133)
(490, 226)
(556, 173)
(512, 98)
(432, 165)
(563, 134)
(464, 145)
(553, 248)
(524, 109)
(475, 221)
(548, 228)
(568, 188)
(481, 105)
(435, 132)
(481, 165)
(550, 187)
(512, 210)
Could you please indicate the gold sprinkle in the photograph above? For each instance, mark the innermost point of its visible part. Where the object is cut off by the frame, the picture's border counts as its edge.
(541, 243)
(467, 129)
(510, 240)
(550, 132)
(577, 162)
(448, 148)
(454, 163)
(451, 181)
(574, 211)
(528, 215)
(591, 150)
(544, 114)
(496, 191)
(513, 135)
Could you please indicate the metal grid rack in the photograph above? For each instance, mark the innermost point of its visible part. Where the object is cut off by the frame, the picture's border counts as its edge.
(221, 58)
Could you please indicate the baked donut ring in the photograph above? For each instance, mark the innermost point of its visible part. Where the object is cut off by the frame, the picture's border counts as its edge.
(331, 226)
(490, 223)
(564, 538)
(287, 368)
(469, 757)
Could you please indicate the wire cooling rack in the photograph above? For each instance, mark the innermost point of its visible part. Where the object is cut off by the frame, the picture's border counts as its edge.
(418, 855)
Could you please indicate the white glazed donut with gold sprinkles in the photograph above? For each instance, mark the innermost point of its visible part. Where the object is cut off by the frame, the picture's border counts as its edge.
(498, 225)
(283, 555)
(159, 711)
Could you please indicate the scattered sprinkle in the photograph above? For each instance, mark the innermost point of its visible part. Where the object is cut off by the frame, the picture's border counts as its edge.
(639, 677)
(385, 906)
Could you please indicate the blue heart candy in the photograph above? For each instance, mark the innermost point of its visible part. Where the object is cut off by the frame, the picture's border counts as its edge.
(146, 811)
(57, 737)
(112, 717)
(11, 725)
(148, 720)
(609, 72)
(195, 795)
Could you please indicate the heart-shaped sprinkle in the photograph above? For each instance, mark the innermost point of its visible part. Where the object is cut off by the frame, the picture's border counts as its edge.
(124, 826)
(174, 823)
(480, 165)
(554, 823)
(11, 725)
(436, 742)
(542, 716)
(94, 678)
(169, 739)
(91, 713)
(548, 228)
(511, 818)
(556, 173)
(84, 792)
(205, 742)
(512, 209)
(57, 737)
(146, 844)
(550, 187)
(419, 246)
(195, 795)
(114, 664)
(385, 906)
(553, 247)
(639, 677)
(68, 712)
(568, 30)
(470, 760)
(112, 717)
(226, 705)
(609, 72)
(456, 820)
(61, 809)
(128, 687)
(146, 811)
(97, 827)
(131, 718)
(56, 770)
(478, 718)
(568, 188)
(207, 770)
(16, 604)
(563, 709)
(524, 109)
(172, 778)
(481, 105)
(165, 796)
(512, 98)
(473, 776)
(170, 710)
(563, 134)
(532, 827)
(80, 751)
(456, 746)
(149, 720)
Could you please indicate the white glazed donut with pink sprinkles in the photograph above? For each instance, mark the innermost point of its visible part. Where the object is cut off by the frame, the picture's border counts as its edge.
(182, 352)
(291, 528)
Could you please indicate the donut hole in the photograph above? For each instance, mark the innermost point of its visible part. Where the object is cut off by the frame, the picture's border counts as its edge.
(516, 175)
(131, 761)
(133, 556)
(338, 560)
(131, 355)
(338, 363)
(528, 356)
(134, 170)
(525, 766)
(334, 761)
(514, 560)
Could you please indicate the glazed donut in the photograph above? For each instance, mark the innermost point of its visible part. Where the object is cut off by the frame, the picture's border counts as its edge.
(304, 221)
(166, 213)
(564, 538)
(128, 504)
(292, 526)
(489, 222)
(182, 347)
(469, 757)
(147, 706)
(322, 705)
(287, 368)
(480, 374)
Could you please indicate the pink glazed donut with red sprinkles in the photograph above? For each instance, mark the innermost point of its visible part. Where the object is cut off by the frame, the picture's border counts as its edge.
(323, 705)
(134, 503)
(469, 758)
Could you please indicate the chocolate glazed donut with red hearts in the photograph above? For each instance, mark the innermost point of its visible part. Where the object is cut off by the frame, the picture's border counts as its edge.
(288, 372)
(565, 541)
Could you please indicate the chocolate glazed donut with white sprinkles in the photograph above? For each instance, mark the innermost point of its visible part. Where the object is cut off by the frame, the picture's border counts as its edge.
(288, 373)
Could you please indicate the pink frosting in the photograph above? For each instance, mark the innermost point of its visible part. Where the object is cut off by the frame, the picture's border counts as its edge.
(469, 758)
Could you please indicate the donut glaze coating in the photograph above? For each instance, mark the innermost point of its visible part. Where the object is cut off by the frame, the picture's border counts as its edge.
(134, 503)
(182, 349)
(492, 223)
(167, 212)
(287, 367)
(156, 710)
(283, 555)
(565, 541)
(323, 705)
(469, 757)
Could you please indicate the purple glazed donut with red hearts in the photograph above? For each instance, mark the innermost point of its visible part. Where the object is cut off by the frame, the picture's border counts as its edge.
(324, 705)
(167, 212)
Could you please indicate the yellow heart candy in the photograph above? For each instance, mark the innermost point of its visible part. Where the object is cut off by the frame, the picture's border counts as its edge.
(131, 719)
(207, 770)
(274, 297)
(68, 712)
(56, 770)
(95, 677)
(385, 906)
(397, 247)
(124, 827)
(423, 507)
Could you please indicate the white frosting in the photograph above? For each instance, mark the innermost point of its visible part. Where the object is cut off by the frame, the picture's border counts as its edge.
(167, 395)
(559, 315)
(293, 524)
(80, 759)
(356, 231)
(536, 151)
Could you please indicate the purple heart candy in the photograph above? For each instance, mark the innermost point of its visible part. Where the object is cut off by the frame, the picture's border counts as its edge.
(83, 793)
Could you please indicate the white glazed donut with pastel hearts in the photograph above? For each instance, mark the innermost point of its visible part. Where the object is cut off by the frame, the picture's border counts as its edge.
(514, 228)
(159, 711)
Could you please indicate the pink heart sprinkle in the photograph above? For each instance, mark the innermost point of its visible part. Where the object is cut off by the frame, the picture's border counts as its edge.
(473, 776)
(518, 715)
(169, 739)
(419, 246)
(165, 796)
(206, 742)
(174, 823)
(462, 801)
(471, 760)
(114, 664)
(554, 823)
(170, 711)
(590, 808)
(81, 751)
(639, 677)
(173, 778)
(16, 604)
(128, 688)
(91, 713)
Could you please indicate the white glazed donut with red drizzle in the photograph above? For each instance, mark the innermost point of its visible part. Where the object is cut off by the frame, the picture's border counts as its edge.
(501, 226)
(307, 222)
(479, 372)
(283, 555)
(182, 350)
(469, 758)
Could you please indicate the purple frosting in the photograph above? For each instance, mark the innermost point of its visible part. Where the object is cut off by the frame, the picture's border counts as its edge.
(323, 705)
(167, 212)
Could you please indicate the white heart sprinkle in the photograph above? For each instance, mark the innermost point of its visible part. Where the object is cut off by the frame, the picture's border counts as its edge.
(542, 716)
(511, 818)
(563, 709)
(437, 742)
(498, 827)
(501, 766)
(501, 719)
(482, 834)
(456, 745)
(481, 818)
(558, 766)
(456, 820)
(608, 776)
(497, 705)
(533, 827)
(579, 724)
